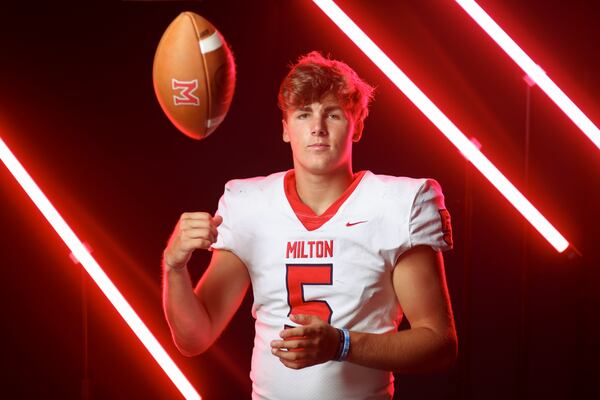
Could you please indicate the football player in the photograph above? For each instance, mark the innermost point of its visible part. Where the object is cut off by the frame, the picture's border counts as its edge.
(335, 258)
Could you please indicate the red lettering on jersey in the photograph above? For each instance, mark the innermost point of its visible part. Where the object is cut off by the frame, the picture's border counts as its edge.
(310, 246)
(302, 253)
(186, 94)
(298, 276)
(291, 248)
(328, 248)
(319, 252)
(309, 249)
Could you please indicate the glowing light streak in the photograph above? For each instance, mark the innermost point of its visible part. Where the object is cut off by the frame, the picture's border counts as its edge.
(80, 252)
(435, 115)
(532, 70)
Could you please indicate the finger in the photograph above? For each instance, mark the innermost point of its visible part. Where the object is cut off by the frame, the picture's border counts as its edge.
(197, 228)
(290, 344)
(303, 331)
(201, 243)
(199, 233)
(213, 231)
(290, 355)
(296, 332)
(195, 223)
(188, 225)
(200, 215)
(305, 319)
(297, 364)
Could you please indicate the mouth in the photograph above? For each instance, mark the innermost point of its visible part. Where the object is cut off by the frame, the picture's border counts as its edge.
(318, 146)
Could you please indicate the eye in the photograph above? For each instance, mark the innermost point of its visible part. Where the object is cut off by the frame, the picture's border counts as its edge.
(302, 116)
(335, 116)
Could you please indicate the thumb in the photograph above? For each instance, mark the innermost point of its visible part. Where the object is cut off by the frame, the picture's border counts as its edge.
(217, 220)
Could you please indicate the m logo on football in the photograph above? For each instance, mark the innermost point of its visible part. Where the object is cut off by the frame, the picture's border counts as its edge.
(185, 92)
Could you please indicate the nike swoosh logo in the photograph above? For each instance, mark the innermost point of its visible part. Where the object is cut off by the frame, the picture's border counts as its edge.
(355, 223)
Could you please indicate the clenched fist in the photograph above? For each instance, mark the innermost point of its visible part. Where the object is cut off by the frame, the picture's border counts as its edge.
(195, 230)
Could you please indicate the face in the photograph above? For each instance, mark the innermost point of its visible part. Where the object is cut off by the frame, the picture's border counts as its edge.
(321, 136)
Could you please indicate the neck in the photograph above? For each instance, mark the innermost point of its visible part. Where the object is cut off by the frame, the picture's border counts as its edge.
(320, 191)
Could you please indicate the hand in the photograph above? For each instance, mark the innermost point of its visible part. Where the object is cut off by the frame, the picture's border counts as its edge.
(313, 342)
(196, 230)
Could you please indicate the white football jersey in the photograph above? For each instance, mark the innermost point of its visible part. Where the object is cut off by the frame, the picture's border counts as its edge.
(337, 266)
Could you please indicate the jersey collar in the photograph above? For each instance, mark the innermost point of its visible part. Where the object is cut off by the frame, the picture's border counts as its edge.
(305, 214)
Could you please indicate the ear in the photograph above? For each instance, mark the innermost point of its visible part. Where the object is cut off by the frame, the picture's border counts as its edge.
(286, 135)
(358, 129)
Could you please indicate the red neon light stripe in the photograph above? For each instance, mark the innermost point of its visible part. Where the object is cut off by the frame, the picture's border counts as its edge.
(97, 274)
(435, 115)
(531, 69)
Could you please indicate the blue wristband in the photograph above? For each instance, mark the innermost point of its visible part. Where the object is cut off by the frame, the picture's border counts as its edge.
(345, 345)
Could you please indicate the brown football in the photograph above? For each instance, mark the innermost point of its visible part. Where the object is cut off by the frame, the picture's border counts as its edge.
(193, 75)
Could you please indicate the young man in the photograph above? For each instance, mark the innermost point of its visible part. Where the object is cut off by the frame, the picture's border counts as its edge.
(335, 258)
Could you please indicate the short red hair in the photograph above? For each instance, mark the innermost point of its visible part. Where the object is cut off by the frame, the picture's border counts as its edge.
(314, 77)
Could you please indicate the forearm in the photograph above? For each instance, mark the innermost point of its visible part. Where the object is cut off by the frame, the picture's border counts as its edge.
(187, 318)
(414, 350)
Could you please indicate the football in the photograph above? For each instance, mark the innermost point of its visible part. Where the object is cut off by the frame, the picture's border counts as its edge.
(194, 75)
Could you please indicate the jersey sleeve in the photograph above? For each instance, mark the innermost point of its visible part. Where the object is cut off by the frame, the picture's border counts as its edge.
(226, 232)
(429, 219)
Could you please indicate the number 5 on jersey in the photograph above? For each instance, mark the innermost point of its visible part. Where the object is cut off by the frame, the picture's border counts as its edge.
(300, 275)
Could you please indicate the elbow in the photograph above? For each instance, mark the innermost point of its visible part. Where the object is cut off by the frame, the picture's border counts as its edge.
(190, 347)
(189, 337)
(449, 352)
(190, 352)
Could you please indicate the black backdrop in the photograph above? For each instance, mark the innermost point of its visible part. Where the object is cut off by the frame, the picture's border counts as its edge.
(78, 108)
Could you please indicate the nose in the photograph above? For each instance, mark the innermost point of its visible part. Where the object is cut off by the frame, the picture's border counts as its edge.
(318, 127)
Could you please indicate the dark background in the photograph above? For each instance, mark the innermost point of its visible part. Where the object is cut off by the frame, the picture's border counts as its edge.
(78, 108)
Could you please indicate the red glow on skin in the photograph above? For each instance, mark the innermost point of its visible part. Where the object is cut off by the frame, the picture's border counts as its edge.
(321, 136)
